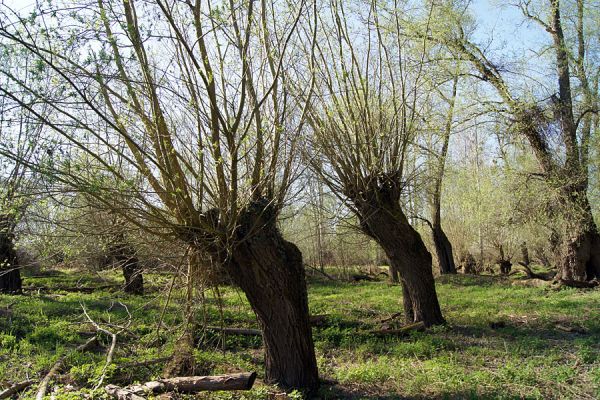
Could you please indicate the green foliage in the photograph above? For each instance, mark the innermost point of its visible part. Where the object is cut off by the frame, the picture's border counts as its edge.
(7, 341)
(60, 332)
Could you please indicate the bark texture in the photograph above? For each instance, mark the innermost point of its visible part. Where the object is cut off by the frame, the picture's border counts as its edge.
(394, 276)
(580, 252)
(125, 257)
(443, 247)
(269, 270)
(382, 218)
(10, 273)
(443, 250)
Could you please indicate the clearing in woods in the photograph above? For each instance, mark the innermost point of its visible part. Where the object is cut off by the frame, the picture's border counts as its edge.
(501, 342)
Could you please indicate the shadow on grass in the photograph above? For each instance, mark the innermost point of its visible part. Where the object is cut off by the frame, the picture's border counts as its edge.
(473, 280)
(330, 391)
(340, 282)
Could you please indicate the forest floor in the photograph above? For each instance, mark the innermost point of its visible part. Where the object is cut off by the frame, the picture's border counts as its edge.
(501, 342)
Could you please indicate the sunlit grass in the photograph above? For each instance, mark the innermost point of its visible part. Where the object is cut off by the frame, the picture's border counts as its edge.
(523, 355)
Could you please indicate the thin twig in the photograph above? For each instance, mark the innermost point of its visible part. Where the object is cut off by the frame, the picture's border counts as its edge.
(113, 344)
(43, 387)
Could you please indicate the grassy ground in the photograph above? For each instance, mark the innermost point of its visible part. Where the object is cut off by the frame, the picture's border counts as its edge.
(501, 342)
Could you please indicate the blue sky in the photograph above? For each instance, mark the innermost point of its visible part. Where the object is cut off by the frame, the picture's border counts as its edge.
(506, 24)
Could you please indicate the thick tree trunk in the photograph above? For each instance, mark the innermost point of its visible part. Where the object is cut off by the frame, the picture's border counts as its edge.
(394, 277)
(581, 255)
(443, 250)
(134, 280)
(409, 312)
(10, 273)
(270, 272)
(406, 251)
(132, 272)
(580, 250)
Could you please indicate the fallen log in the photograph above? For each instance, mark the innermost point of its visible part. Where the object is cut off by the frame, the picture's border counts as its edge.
(577, 284)
(363, 277)
(417, 326)
(138, 364)
(184, 384)
(391, 317)
(191, 384)
(119, 393)
(236, 331)
(70, 289)
(43, 387)
(16, 388)
(315, 320)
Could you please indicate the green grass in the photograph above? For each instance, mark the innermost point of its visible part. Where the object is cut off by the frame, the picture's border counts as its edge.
(524, 357)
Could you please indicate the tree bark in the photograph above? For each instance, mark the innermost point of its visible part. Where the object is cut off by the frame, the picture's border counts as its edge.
(409, 312)
(443, 247)
(10, 272)
(394, 278)
(580, 252)
(385, 222)
(125, 257)
(443, 250)
(269, 270)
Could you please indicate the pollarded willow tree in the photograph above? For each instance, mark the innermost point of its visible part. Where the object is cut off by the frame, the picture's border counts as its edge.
(190, 96)
(566, 111)
(366, 115)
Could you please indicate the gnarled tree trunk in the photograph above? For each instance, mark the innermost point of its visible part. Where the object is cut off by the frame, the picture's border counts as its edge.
(580, 248)
(126, 259)
(270, 272)
(10, 273)
(387, 224)
(443, 250)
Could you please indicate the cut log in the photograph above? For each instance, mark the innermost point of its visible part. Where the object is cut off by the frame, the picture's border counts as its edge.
(191, 384)
(236, 331)
(70, 289)
(417, 326)
(138, 364)
(119, 393)
(185, 384)
(16, 388)
(363, 277)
